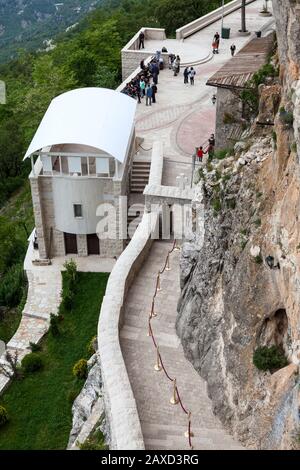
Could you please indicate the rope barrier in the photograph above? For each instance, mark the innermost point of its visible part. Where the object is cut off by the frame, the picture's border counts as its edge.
(159, 365)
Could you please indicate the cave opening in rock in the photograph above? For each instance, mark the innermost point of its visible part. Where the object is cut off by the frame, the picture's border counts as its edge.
(274, 330)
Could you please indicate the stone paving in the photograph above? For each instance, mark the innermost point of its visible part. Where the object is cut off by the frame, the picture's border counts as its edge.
(163, 424)
(182, 118)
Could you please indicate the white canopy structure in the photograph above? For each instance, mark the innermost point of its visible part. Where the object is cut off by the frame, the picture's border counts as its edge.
(94, 117)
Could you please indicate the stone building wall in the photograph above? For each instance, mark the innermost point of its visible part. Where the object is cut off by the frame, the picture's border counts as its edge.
(228, 105)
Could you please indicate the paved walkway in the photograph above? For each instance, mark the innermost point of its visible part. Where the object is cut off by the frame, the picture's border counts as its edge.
(43, 298)
(182, 118)
(163, 424)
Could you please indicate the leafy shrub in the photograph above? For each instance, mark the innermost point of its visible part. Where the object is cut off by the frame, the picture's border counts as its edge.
(231, 203)
(217, 206)
(218, 174)
(269, 358)
(228, 118)
(34, 347)
(209, 167)
(294, 147)
(91, 346)
(3, 416)
(258, 259)
(80, 369)
(287, 117)
(11, 286)
(54, 322)
(257, 222)
(243, 244)
(71, 270)
(68, 300)
(221, 154)
(32, 363)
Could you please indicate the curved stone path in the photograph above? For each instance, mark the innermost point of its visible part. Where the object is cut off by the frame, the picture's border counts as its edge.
(182, 119)
(163, 424)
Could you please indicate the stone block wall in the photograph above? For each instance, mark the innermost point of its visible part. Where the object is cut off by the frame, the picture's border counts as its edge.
(120, 404)
(228, 104)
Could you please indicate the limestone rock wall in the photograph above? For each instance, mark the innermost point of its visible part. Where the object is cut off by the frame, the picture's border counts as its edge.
(240, 284)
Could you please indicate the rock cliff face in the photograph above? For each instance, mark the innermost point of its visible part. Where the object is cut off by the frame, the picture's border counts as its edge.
(241, 281)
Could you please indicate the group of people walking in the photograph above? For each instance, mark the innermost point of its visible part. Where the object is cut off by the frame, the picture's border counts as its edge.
(189, 74)
(210, 150)
(144, 85)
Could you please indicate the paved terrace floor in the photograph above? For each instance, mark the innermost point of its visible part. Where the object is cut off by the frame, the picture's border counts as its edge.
(182, 118)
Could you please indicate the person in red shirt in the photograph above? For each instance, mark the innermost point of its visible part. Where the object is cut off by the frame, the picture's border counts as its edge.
(200, 154)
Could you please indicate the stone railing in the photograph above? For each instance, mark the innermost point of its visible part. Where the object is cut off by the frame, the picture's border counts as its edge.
(201, 23)
(120, 404)
(132, 55)
(157, 162)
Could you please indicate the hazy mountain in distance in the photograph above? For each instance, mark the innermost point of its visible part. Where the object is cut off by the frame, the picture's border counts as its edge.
(27, 23)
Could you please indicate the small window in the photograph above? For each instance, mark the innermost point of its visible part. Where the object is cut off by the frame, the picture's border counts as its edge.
(77, 210)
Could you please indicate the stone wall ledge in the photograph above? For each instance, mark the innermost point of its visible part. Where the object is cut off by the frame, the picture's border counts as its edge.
(120, 404)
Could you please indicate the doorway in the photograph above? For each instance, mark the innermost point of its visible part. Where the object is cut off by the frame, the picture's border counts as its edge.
(70, 244)
(93, 245)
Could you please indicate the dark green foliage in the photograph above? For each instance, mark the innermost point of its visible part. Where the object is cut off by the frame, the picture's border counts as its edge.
(34, 347)
(287, 117)
(257, 222)
(54, 325)
(72, 394)
(47, 422)
(269, 358)
(11, 287)
(250, 95)
(80, 369)
(91, 347)
(221, 154)
(217, 206)
(231, 203)
(32, 363)
(3, 416)
(258, 259)
(243, 244)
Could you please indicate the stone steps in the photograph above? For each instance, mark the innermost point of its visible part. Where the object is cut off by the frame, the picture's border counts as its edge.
(139, 176)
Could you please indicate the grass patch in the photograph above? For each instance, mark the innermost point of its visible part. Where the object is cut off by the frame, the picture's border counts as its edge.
(39, 406)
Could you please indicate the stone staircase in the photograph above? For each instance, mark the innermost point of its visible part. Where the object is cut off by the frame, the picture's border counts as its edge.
(139, 175)
(133, 215)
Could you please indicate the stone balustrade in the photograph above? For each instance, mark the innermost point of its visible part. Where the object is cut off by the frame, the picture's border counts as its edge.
(132, 55)
(201, 23)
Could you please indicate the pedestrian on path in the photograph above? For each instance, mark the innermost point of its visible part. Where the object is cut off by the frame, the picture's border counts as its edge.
(176, 66)
(141, 40)
(210, 151)
(142, 87)
(186, 73)
(192, 75)
(232, 49)
(200, 153)
(154, 91)
(212, 140)
(149, 95)
(216, 43)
